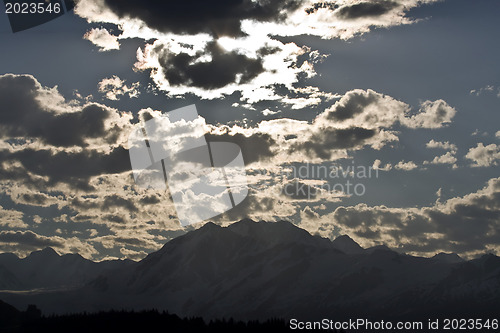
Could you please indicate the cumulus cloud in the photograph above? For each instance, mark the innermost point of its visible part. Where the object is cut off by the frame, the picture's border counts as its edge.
(448, 158)
(370, 109)
(327, 137)
(103, 39)
(72, 169)
(29, 110)
(367, 109)
(48, 140)
(360, 118)
(484, 156)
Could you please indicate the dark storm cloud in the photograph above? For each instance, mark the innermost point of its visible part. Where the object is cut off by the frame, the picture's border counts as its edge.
(23, 114)
(70, 129)
(251, 205)
(72, 168)
(218, 17)
(117, 201)
(19, 174)
(28, 238)
(84, 204)
(105, 204)
(150, 200)
(35, 199)
(114, 218)
(131, 241)
(255, 147)
(299, 191)
(322, 143)
(223, 69)
(367, 9)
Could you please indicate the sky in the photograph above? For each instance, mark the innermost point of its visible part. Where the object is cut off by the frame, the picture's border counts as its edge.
(399, 98)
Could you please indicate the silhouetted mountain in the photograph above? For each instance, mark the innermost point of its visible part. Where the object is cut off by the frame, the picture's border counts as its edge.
(259, 270)
(46, 269)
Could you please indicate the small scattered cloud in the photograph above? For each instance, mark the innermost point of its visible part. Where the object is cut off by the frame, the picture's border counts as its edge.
(114, 87)
(439, 193)
(441, 145)
(448, 158)
(268, 112)
(432, 115)
(477, 132)
(103, 39)
(406, 166)
(133, 255)
(377, 165)
(23, 243)
(11, 219)
(489, 89)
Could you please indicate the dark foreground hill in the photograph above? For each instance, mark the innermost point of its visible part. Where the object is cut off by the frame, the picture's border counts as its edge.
(262, 270)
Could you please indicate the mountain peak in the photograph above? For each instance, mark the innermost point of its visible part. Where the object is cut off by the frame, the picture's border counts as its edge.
(267, 230)
(48, 253)
(347, 245)
(8, 256)
(278, 232)
(451, 258)
(210, 226)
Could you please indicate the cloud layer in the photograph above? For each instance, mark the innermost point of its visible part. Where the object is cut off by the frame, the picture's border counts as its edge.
(215, 48)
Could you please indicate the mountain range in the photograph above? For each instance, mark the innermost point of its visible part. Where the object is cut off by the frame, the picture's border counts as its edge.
(258, 270)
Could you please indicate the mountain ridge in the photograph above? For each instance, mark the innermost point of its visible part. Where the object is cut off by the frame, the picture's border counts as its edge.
(255, 270)
(339, 242)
